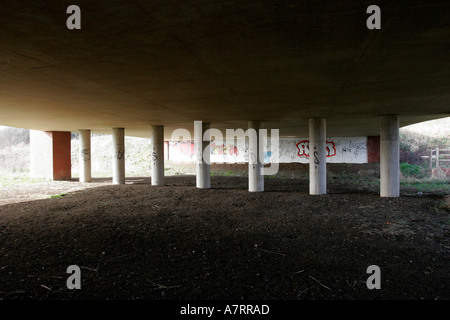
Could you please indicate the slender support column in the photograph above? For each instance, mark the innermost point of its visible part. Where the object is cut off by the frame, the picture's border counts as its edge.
(118, 137)
(255, 163)
(203, 168)
(317, 156)
(157, 133)
(389, 157)
(166, 150)
(85, 156)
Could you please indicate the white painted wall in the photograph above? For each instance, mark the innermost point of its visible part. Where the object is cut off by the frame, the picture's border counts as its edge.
(339, 150)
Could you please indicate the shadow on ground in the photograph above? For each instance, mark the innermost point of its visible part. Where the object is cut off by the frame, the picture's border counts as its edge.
(138, 241)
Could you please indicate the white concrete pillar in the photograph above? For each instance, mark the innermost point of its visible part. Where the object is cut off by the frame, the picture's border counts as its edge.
(255, 163)
(317, 156)
(202, 165)
(157, 136)
(389, 157)
(85, 156)
(118, 138)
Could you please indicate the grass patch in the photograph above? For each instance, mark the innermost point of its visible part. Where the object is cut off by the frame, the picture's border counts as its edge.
(12, 180)
(228, 173)
(427, 184)
(56, 196)
(413, 170)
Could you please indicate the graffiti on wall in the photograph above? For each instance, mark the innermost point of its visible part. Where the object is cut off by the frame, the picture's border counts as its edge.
(303, 148)
(339, 150)
(181, 150)
(224, 149)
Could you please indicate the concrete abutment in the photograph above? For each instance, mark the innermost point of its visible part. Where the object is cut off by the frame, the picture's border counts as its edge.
(50, 155)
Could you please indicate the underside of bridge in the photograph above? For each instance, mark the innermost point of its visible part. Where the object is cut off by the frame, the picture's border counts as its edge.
(137, 64)
(310, 68)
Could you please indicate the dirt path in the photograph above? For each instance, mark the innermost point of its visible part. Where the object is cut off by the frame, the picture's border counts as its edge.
(137, 241)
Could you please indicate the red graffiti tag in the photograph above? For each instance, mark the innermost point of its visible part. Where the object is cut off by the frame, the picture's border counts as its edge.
(303, 148)
(331, 149)
(224, 149)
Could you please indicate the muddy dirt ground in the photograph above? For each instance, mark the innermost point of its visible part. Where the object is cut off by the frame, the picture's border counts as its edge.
(138, 241)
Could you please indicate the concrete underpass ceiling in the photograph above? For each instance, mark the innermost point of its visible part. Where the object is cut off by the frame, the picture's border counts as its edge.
(138, 63)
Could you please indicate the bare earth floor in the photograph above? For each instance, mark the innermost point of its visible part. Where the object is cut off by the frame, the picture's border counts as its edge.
(138, 241)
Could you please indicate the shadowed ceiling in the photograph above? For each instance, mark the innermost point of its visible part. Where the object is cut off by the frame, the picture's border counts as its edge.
(166, 62)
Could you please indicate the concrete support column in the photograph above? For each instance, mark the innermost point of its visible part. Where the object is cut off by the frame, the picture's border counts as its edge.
(389, 157)
(157, 133)
(85, 156)
(202, 165)
(118, 138)
(317, 156)
(255, 163)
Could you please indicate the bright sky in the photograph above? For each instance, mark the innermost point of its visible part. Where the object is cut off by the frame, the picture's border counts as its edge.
(435, 128)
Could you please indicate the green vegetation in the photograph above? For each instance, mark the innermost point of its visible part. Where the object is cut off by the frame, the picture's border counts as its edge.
(415, 146)
(11, 137)
(427, 184)
(15, 159)
(58, 195)
(7, 180)
(228, 173)
(413, 170)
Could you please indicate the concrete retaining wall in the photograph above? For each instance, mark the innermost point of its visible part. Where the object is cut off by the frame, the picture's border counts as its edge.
(292, 150)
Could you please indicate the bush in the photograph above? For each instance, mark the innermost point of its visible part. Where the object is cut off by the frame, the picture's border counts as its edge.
(10, 137)
(414, 146)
